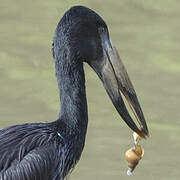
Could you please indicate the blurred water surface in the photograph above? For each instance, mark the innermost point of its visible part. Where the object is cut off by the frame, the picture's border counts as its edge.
(146, 34)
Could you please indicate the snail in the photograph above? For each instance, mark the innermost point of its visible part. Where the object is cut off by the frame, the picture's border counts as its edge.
(137, 138)
(133, 156)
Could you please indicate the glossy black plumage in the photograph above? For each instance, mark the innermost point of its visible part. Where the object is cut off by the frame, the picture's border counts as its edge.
(37, 151)
(48, 151)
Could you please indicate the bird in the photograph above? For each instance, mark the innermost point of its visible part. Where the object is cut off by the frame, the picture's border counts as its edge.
(50, 150)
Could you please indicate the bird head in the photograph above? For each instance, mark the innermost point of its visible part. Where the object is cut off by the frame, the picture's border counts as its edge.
(84, 31)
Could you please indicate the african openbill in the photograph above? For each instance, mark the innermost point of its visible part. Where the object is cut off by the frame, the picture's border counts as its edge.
(48, 151)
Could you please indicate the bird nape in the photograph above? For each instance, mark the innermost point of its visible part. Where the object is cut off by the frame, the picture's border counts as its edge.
(48, 151)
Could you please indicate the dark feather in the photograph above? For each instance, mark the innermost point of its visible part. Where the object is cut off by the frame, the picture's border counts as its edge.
(48, 151)
(35, 151)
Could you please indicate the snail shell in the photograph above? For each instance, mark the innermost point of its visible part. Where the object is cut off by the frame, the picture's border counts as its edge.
(133, 156)
(139, 151)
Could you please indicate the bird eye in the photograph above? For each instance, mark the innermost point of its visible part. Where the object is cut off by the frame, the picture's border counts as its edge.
(101, 30)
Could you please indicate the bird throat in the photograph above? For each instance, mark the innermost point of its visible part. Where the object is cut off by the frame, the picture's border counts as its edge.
(71, 83)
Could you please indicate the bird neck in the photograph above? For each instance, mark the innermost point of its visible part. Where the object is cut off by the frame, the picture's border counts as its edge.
(71, 83)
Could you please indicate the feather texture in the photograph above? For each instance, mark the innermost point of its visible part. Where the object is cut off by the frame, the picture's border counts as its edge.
(36, 152)
(48, 151)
